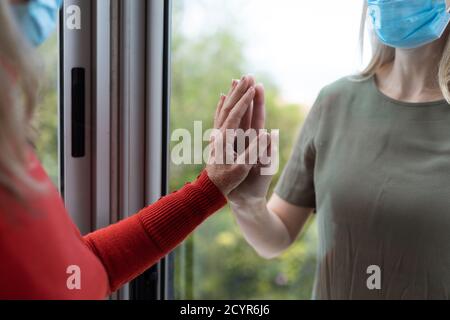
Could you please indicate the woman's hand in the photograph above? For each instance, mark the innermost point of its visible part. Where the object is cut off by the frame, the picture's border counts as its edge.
(255, 187)
(245, 185)
(232, 110)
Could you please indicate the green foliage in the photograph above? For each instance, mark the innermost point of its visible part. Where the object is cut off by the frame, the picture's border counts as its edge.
(47, 112)
(216, 262)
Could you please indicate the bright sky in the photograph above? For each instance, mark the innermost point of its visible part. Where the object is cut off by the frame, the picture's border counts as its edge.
(303, 45)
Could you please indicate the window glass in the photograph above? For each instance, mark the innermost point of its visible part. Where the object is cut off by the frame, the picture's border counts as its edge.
(294, 48)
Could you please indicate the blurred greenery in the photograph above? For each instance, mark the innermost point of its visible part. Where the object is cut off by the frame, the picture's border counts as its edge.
(216, 262)
(47, 112)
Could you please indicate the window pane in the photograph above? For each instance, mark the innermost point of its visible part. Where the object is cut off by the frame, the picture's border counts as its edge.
(294, 48)
(47, 114)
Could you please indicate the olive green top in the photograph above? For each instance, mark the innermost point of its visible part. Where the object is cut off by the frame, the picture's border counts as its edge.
(377, 171)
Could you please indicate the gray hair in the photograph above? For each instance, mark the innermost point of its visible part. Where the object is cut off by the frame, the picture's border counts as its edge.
(19, 85)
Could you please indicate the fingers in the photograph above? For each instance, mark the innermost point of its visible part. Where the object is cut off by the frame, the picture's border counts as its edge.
(259, 109)
(246, 122)
(252, 81)
(234, 118)
(234, 84)
(236, 95)
(222, 100)
(250, 157)
(257, 149)
(219, 110)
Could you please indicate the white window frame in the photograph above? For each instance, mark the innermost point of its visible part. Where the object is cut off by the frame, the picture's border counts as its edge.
(123, 47)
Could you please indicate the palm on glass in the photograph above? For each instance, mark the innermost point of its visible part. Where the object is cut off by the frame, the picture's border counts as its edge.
(242, 108)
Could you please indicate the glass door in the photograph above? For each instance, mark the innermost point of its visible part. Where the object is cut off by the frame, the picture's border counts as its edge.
(285, 46)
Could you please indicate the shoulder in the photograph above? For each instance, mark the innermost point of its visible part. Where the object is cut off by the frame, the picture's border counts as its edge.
(345, 87)
(342, 95)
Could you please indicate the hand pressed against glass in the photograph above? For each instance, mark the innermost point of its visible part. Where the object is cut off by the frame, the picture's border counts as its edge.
(232, 110)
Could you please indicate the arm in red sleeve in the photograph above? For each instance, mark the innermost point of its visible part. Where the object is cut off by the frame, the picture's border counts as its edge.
(133, 245)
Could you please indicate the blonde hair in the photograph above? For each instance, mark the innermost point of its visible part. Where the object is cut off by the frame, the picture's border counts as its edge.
(383, 55)
(19, 70)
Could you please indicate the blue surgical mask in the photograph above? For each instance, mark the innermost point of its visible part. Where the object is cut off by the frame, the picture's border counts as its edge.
(408, 24)
(37, 19)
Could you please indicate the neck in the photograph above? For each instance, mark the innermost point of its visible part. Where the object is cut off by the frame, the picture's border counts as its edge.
(413, 75)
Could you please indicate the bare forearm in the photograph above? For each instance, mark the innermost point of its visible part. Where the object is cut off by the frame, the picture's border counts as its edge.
(262, 228)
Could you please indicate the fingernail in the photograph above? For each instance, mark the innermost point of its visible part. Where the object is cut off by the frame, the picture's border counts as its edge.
(243, 78)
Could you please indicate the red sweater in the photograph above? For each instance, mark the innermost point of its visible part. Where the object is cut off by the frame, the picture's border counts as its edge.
(38, 241)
